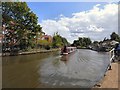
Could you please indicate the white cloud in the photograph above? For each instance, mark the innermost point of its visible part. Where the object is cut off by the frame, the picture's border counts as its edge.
(96, 23)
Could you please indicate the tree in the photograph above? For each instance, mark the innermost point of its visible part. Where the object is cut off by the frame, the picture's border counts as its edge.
(76, 43)
(82, 42)
(20, 24)
(115, 36)
(95, 42)
(86, 41)
(59, 41)
(65, 42)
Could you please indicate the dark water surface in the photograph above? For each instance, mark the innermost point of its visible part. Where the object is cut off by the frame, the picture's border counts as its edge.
(82, 68)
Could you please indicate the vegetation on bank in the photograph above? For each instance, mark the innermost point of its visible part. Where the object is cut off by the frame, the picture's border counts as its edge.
(21, 31)
(115, 37)
(20, 26)
(82, 42)
(59, 41)
(106, 44)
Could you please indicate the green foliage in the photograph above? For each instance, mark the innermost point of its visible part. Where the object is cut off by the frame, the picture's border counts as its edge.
(82, 42)
(21, 24)
(95, 42)
(115, 37)
(43, 42)
(59, 41)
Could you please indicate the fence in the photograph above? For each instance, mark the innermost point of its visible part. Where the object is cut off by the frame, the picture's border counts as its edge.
(112, 58)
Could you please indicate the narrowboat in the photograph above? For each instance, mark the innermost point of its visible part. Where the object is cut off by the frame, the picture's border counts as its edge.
(67, 50)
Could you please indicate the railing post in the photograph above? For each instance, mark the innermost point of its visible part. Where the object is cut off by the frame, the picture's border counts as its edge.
(112, 55)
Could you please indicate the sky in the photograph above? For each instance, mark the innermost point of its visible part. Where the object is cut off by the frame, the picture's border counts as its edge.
(71, 20)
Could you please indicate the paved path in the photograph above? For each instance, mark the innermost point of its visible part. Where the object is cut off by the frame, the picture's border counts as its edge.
(111, 78)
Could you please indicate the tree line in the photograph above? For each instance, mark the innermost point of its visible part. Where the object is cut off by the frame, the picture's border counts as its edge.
(82, 42)
(21, 29)
(85, 42)
(113, 36)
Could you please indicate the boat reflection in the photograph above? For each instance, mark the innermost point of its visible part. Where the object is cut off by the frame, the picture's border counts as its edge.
(65, 58)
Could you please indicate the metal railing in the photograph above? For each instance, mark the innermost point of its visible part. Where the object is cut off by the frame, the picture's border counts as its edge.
(112, 57)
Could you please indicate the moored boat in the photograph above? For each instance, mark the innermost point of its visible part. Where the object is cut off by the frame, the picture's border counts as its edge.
(67, 50)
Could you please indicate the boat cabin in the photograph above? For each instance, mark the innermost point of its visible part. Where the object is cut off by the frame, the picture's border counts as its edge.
(67, 50)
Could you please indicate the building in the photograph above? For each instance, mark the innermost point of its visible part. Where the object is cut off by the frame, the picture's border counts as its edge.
(47, 37)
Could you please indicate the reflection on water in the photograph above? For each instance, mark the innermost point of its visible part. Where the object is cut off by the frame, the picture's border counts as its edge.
(82, 68)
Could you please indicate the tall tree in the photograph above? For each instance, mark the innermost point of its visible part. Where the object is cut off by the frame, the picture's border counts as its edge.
(59, 41)
(114, 36)
(82, 42)
(20, 24)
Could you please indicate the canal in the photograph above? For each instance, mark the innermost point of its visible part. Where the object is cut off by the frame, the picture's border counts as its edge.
(81, 69)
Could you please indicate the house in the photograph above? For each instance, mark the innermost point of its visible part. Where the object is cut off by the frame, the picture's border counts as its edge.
(47, 37)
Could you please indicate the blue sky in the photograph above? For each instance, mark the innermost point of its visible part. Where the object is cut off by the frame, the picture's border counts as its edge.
(95, 20)
(52, 10)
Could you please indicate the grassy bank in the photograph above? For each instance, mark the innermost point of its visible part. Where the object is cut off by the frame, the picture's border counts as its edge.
(31, 51)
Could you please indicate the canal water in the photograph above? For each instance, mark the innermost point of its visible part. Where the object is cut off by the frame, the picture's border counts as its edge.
(81, 69)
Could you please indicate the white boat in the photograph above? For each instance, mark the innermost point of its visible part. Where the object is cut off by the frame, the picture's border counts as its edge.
(68, 50)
